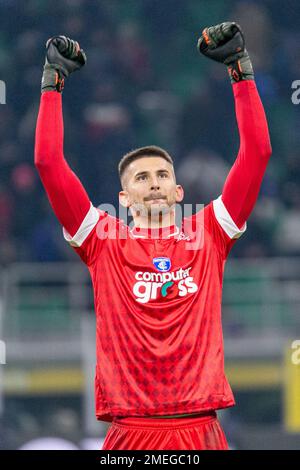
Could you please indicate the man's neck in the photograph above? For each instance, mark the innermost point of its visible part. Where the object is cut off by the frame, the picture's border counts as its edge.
(154, 223)
(163, 227)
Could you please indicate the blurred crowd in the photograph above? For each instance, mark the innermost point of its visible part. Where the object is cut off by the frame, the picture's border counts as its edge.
(144, 84)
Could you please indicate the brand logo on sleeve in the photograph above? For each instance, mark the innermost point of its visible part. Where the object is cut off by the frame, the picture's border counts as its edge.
(162, 264)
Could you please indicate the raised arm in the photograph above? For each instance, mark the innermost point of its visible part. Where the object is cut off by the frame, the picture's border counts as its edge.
(243, 182)
(66, 194)
(225, 43)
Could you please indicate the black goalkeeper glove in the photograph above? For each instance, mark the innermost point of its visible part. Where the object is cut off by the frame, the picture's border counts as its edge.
(63, 57)
(225, 43)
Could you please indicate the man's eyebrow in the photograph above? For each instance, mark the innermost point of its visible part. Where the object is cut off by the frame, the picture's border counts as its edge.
(141, 173)
(163, 170)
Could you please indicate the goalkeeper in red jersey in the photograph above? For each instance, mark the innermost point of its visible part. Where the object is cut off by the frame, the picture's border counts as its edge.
(157, 286)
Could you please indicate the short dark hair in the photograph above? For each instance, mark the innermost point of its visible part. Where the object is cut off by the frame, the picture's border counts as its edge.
(151, 150)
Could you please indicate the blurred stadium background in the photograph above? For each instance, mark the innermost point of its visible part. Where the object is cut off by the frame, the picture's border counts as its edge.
(145, 84)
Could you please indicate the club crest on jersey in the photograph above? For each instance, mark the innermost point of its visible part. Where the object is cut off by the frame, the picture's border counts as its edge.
(162, 264)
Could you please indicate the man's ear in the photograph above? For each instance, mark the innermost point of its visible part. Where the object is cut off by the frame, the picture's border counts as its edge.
(179, 193)
(124, 198)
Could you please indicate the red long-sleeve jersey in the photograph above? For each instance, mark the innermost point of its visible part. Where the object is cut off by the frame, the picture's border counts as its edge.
(157, 295)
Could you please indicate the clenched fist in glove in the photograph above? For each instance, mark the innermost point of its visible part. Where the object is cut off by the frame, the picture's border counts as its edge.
(225, 43)
(63, 57)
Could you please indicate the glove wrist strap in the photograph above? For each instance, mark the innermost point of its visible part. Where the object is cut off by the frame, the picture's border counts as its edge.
(240, 69)
(52, 79)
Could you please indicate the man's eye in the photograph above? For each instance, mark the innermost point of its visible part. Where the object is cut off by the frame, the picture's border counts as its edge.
(164, 175)
(141, 177)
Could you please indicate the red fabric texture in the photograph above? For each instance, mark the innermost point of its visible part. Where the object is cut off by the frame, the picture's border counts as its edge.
(158, 354)
(191, 433)
(243, 182)
(66, 194)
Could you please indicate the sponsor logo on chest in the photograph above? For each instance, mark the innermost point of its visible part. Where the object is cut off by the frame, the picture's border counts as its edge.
(163, 285)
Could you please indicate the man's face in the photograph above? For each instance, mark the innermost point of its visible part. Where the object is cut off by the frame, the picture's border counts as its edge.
(150, 187)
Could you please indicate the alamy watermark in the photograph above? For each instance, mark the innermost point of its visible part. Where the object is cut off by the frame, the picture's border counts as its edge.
(2, 92)
(295, 357)
(296, 94)
(2, 352)
(2, 101)
(190, 227)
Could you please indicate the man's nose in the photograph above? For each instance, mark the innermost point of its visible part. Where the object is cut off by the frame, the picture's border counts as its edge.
(154, 183)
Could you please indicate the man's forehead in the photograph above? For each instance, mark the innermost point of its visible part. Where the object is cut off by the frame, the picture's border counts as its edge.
(148, 164)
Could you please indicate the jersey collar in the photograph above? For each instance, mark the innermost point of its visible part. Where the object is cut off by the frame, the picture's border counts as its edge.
(165, 232)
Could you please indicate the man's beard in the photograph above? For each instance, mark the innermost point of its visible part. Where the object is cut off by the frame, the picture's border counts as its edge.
(153, 211)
